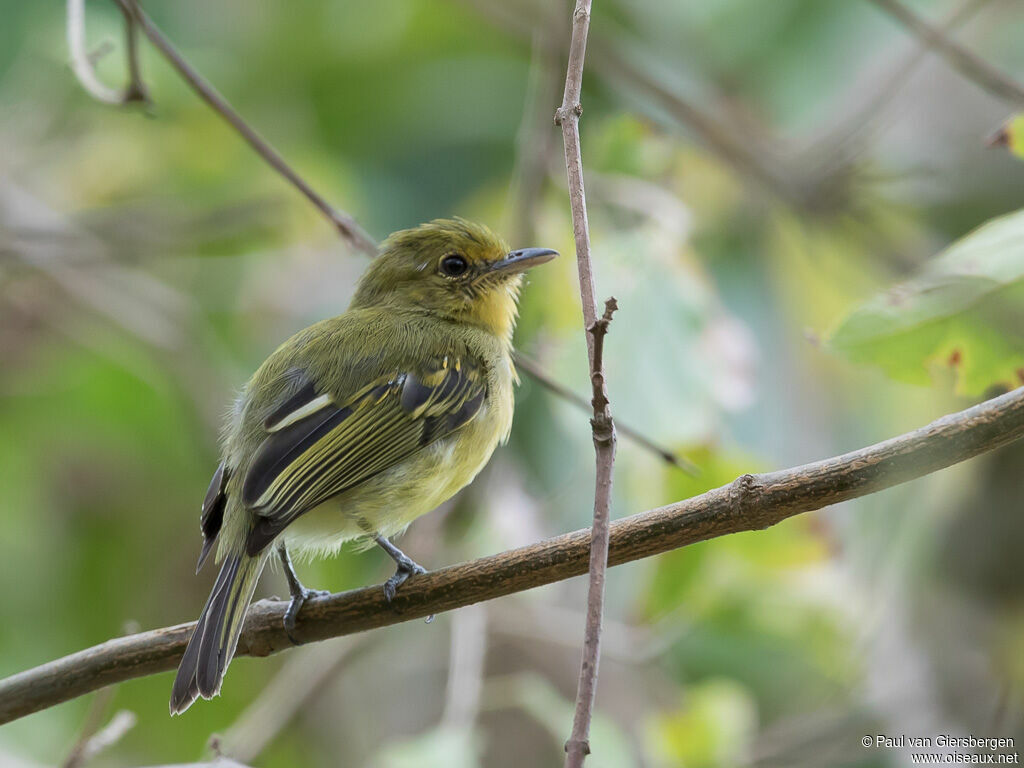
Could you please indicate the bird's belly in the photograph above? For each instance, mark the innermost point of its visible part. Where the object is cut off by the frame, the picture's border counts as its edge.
(387, 503)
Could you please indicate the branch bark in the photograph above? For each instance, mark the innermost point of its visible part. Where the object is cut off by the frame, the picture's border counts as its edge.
(968, 64)
(602, 426)
(749, 503)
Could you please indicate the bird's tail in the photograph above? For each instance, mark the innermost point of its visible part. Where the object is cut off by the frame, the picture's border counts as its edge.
(213, 642)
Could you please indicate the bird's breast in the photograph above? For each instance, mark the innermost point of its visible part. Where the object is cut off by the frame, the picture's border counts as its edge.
(387, 503)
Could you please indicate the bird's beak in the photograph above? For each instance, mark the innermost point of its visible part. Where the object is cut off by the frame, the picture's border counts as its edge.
(523, 259)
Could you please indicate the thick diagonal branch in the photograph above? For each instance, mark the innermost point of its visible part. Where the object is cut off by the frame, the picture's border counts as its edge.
(749, 503)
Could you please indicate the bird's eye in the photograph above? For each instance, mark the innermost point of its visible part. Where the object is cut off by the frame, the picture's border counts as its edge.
(453, 265)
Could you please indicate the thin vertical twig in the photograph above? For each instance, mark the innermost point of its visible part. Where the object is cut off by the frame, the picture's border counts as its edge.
(136, 90)
(567, 116)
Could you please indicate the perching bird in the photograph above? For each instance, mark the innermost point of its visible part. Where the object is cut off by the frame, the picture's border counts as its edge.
(361, 423)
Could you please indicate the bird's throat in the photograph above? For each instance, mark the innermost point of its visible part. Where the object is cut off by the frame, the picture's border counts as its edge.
(496, 311)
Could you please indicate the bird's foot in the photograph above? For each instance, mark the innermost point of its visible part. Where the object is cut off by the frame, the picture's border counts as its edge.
(406, 568)
(299, 598)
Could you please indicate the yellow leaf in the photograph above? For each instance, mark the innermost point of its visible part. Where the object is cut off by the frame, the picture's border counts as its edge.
(1011, 136)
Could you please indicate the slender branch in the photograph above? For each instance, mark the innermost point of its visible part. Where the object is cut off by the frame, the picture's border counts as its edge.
(534, 369)
(749, 503)
(346, 226)
(968, 64)
(103, 739)
(752, 502)
(860, 113)
(748, 156)
(300, 681)
(136, 90)
(93, 722)
(83, 67)
(101, 51)
(81, 64)
(602, 426)
(135, 19)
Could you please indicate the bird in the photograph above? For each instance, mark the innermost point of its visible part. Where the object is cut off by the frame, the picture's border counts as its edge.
(359, 424)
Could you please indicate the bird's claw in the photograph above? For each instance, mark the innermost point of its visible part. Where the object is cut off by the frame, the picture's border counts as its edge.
(400, 576)
(291, 615)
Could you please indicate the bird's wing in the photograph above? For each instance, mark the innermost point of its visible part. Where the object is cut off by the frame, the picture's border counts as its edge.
(316, 448)
(212, 516)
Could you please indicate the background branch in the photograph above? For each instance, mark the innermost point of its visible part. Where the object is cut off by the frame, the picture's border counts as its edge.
(751, 502)
(860, 116)
(82, 63)
(968, 64)
(534, 369)
(85, 746)
(135, 18)
(302, 678)
(343, 222)
(106, 737)
(136, 90)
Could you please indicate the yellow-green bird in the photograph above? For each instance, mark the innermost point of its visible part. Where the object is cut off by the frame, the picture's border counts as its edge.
(361, 423)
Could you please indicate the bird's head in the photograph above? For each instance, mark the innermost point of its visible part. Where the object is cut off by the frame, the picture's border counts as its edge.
(453, 268)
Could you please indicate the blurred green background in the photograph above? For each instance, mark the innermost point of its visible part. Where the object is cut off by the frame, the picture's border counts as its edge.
(757, 173)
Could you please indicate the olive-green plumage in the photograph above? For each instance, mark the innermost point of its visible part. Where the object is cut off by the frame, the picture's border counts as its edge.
(361, 423)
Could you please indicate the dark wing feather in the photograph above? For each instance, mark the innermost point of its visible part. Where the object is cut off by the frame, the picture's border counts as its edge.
(337, 447)
(304, 395)
(212, 515)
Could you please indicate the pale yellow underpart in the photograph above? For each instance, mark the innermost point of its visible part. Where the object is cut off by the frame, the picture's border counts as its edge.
(387, 503)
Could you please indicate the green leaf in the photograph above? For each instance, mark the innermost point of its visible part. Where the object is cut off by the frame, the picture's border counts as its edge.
(964, 311)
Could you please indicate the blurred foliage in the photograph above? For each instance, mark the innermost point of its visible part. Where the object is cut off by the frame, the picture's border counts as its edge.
(756, 172)
(714, 727)
(965, 310)
(1012, 136)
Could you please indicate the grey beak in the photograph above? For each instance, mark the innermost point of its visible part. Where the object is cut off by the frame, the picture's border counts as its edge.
(524, 259)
